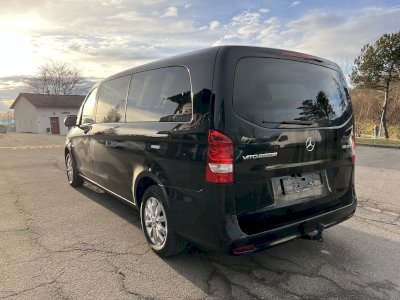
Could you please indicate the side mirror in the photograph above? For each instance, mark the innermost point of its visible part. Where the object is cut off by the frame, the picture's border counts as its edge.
(70, 121)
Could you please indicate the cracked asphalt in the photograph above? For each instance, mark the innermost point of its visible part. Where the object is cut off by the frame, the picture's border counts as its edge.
(57, 242)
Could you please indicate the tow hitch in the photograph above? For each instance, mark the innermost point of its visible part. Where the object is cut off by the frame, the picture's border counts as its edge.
(315, 235)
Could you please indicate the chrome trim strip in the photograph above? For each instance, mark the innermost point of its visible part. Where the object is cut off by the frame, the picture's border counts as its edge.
(108, 191)
(283, 240)
(295, 165)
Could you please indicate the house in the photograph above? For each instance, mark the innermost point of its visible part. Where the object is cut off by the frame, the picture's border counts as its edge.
(40, 113)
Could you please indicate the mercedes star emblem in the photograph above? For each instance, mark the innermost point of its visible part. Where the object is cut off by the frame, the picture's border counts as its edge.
(310, 144)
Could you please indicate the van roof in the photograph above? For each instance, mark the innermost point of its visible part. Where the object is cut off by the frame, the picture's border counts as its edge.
(212, 51)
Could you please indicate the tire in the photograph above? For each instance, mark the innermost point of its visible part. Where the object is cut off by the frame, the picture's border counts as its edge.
(157, 224)
(73, 178)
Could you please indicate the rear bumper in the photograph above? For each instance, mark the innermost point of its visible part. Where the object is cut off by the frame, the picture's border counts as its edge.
(207, 217)
(294, 230)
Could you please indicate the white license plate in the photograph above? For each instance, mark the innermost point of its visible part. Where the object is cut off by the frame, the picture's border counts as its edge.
(300, 183)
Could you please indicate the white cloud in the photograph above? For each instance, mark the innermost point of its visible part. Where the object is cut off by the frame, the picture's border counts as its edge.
(295, 3)
(320, 33)
(9, 89)
(5, 104)
(106, 41)
(117, 3)
(246, 17)
(119, 34)
(246, 24)
(171, 11)
(336, 37)
(214, 25)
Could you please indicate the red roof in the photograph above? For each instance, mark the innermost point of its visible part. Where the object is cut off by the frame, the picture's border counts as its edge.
(44, 100)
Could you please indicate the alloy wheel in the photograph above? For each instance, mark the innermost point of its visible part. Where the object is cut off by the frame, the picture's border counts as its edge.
(155, 222)
(70, 167)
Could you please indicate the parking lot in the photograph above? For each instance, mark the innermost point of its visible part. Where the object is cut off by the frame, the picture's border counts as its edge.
(57, 242)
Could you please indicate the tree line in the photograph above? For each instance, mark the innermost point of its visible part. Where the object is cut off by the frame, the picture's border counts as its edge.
(376, 73)
(367, 109)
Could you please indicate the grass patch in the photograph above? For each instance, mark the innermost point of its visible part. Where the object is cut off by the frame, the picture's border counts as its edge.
(383, 142)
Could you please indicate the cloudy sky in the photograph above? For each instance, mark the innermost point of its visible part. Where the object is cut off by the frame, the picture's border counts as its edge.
(104, 37)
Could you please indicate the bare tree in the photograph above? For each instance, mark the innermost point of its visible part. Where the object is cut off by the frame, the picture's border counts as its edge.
(57, 78)
(346, 65)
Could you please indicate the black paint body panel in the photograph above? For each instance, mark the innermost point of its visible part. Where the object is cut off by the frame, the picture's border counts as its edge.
(120, 157)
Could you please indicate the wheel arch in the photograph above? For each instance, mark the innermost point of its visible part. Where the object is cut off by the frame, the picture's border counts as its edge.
(68, 149)
(142, 182)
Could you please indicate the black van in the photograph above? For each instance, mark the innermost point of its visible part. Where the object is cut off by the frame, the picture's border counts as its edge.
(233, 148)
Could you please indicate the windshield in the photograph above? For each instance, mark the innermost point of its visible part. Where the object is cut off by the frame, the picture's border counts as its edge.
(271, 92)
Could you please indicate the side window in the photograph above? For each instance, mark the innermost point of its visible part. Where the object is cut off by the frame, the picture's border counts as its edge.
(88, 108)
(162, 95)
(111, 102)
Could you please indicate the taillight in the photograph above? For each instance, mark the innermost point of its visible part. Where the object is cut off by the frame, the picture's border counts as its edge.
(243, 249)
(353, 148)
(219, 158)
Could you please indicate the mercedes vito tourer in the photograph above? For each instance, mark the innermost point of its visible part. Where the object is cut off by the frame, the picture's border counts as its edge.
(233, 148)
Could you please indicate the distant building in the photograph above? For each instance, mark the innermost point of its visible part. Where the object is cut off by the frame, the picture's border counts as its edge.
(40, 113)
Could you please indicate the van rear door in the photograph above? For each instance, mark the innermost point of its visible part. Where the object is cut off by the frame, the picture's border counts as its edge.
(293, 133)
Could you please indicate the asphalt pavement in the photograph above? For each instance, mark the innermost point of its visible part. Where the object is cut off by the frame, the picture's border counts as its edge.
(57, 242)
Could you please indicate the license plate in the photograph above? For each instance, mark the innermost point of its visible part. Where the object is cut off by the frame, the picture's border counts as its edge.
(300, 183)
(299, 187)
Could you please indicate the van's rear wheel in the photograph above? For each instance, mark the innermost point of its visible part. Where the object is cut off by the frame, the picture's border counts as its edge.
(73, 178)
(157, 226)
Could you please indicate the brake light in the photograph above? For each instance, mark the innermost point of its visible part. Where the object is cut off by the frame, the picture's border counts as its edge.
(219, 167)
(299, 55)
(243, 249)
(353, 148)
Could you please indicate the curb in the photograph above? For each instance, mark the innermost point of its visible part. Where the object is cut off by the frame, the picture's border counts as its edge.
(379, 146)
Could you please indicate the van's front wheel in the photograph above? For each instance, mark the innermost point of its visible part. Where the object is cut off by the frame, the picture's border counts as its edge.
(157, 226)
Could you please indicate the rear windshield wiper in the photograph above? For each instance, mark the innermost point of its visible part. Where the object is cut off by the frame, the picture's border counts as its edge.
(297, 122)
(291, 124)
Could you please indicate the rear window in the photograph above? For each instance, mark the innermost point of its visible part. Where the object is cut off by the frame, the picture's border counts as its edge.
(270, 92)
(162, 95)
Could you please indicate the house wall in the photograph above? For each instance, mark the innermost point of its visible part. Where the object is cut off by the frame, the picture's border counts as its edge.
(25, 116)
(44, 114)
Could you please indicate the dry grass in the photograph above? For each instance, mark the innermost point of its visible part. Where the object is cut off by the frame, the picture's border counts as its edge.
(365, 130)
(379, 141)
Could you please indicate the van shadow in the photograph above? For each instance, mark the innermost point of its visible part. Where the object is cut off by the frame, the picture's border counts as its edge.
(348, 264)
(118, 207)
(338, 267)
